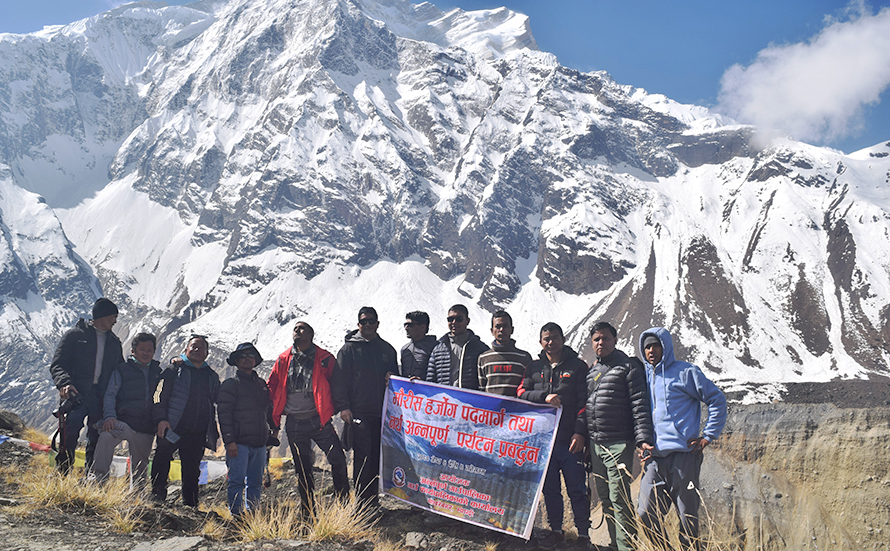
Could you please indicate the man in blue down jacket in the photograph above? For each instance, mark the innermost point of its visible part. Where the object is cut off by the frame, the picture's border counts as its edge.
(676, 391)
(358, 389)
(618, 421)
(455, 359)
(245, 420)
(185, 408)
(557, 378)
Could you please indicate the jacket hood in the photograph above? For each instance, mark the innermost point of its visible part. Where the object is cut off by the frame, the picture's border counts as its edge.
(568, 353)
(187, 361)
(667, 344)
(355, 335)
(446, 337)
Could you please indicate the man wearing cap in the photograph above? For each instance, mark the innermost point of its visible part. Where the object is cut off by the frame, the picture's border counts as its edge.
(245, 419)
(81, 367)
(455, 359)
(671, 475)
(300, 384)
(363, 364)
(618, 422)
(186, 418)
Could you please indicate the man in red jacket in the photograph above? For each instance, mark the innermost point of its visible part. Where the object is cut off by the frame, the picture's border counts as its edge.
(301, 390)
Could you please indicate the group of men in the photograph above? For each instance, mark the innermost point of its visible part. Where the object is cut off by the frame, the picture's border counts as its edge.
(612, 409)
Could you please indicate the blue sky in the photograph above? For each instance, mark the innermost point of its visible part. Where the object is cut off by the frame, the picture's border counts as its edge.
(816, 69)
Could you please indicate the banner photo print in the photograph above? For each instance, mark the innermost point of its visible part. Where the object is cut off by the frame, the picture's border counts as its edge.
(471, 456)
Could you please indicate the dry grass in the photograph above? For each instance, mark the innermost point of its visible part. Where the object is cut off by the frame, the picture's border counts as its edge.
(281, 521)
(388, 545)
(490, 546)
(44, 487)
(36, 436)
(213, 530)
(334, 519)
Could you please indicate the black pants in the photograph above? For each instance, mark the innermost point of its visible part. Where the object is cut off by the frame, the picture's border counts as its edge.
(90, 410)
(191, 451)
(300, 434)
(366, 458)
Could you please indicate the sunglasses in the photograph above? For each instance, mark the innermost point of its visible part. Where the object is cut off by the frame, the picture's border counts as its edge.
(410, 324)
(367, 321)
(452, 319)
(246, 355)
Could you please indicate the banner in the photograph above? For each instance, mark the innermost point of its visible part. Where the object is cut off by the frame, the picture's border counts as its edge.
(475, 457)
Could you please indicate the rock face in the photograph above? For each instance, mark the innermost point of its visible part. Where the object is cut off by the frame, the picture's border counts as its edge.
(220, 170)
(795, 476)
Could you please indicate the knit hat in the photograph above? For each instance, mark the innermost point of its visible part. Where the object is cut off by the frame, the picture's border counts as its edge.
(650, 339)
(244, 348)
(104, 307)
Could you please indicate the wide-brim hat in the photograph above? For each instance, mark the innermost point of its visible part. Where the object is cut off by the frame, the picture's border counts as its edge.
(241, 349)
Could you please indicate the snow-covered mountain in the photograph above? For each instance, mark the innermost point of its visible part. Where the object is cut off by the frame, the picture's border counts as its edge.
(228, 168)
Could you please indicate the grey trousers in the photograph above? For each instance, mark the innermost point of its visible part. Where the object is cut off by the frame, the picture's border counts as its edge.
(671, 480)
(140, 447)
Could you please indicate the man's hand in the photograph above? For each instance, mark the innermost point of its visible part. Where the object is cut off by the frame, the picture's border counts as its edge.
(67, 391)
(163, 427)
(390, 374)
(109, 425)
(577, 444)
(553, 400)
(698, 444)
(346, 415)
(232, 449)
(645, 452)
(275, 432)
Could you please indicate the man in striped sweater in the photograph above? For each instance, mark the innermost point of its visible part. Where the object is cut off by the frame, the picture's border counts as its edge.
(501, 369)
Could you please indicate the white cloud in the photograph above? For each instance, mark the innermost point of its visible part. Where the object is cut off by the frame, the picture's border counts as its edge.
(814, 90)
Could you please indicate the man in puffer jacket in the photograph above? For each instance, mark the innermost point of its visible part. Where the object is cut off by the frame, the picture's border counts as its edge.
(186, 418)
(300, 385)
(128, 404)
(359, 387)
(676, 391)
(618, 421)
(455, 359)
(245, 420)
(557, 378)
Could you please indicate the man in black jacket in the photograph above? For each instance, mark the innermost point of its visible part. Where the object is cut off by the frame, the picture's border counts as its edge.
(127, 407)
(186, 418)
(245, 421)
(416, 354)
(358, 389)
(557, 378)
(81, 367)
(618, 421)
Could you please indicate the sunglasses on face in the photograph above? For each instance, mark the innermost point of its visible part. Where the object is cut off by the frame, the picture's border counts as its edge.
(453, 319)
(367, 321)
(246, 355)
(410, 324)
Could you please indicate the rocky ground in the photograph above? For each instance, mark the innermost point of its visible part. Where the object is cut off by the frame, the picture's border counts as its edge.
(173, 527)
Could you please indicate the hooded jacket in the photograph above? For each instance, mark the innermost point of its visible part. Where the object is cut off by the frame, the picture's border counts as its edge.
(567, 379)
(676, 391)
(74, 361)
(360, 375)
(322, 371)
(618, 400)
(439, 369)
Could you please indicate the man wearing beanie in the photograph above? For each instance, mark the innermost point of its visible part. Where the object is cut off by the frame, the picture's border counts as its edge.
(81, 366)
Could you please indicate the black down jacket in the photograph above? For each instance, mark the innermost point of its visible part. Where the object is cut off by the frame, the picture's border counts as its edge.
(245, 410)
(618, 400)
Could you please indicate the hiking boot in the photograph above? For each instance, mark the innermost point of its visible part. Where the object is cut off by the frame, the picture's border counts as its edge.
(584, 543)
(552, 540)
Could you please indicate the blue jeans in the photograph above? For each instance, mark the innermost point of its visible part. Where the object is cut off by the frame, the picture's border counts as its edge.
(572, 467)
(249, 464)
